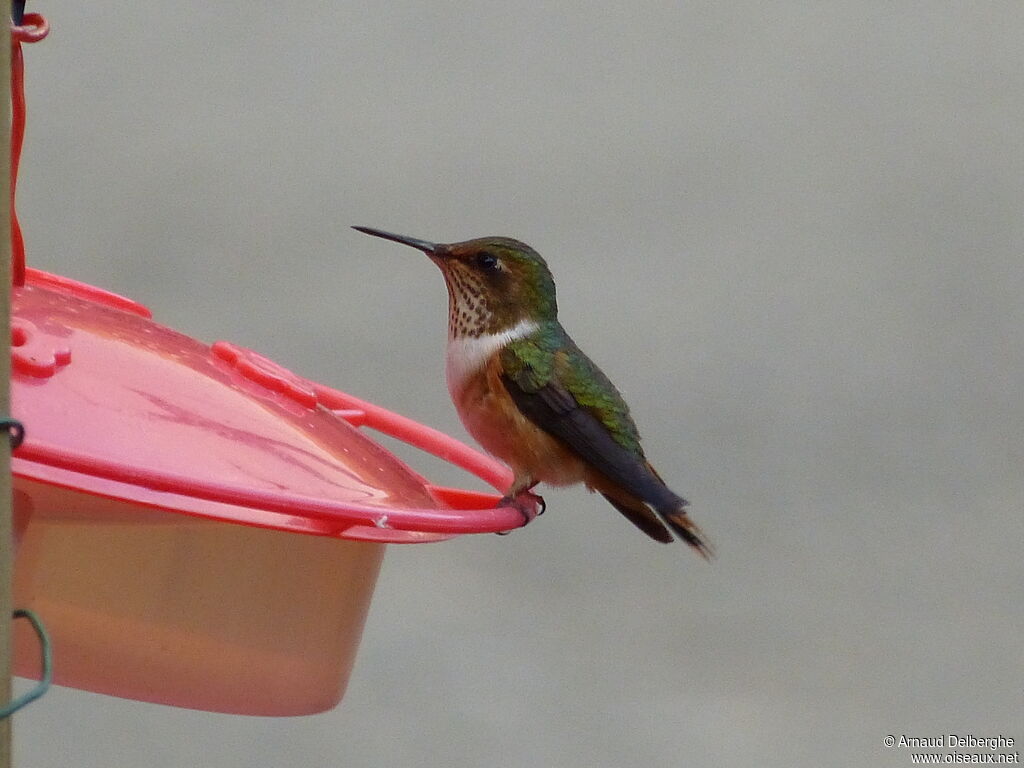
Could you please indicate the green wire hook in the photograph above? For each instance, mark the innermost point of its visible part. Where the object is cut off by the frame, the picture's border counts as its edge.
(47, 659)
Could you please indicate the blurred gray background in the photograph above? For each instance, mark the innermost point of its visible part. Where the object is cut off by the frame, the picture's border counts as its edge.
(790, 232)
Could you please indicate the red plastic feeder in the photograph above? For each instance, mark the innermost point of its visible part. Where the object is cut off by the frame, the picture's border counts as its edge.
(160, 489)
(199, 526)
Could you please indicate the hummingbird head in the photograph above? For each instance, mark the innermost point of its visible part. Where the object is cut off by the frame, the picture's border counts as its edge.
(494, 283)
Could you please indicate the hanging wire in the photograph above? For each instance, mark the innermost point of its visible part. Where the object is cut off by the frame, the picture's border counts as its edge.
(26, 28)
(29, 29)
(46, 654)
(16, 434)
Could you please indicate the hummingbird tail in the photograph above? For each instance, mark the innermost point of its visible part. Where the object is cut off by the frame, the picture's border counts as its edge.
(660, 522)
(640, 515)
(687, 530)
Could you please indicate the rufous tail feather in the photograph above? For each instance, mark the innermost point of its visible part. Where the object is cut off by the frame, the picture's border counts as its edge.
(688, 531)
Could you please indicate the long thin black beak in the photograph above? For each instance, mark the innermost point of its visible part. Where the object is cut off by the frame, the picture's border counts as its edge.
(428, 248)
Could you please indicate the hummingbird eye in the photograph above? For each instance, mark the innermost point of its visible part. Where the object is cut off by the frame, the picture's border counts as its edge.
(488, 263)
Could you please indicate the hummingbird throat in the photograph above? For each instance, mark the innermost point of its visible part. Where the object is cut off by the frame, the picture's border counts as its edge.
(472, 309)
(467, 355)
(480, 323)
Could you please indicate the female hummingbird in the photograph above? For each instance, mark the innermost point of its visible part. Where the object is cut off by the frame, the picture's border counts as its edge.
(529, 395)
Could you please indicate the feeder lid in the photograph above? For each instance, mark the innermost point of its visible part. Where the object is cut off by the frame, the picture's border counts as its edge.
(118, 406)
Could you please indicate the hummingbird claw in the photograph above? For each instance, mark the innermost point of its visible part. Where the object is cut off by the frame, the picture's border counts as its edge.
(539, 501)
(524, 503)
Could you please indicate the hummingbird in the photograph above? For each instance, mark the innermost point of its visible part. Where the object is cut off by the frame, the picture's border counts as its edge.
(531, 397)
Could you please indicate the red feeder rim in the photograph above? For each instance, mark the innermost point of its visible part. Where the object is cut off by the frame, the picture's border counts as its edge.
(121, 407)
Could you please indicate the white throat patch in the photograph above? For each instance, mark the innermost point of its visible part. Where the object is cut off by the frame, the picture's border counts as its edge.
(466, 354)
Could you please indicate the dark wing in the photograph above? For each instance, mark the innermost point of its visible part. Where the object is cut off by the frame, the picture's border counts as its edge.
(586, 427)
(561, 391)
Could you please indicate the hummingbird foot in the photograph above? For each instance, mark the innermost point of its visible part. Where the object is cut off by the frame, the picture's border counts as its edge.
(526, 503)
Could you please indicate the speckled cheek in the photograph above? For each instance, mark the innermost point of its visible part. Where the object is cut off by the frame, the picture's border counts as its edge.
(467, 307)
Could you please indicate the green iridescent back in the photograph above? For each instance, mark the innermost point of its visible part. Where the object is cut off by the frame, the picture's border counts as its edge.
(549, 357)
